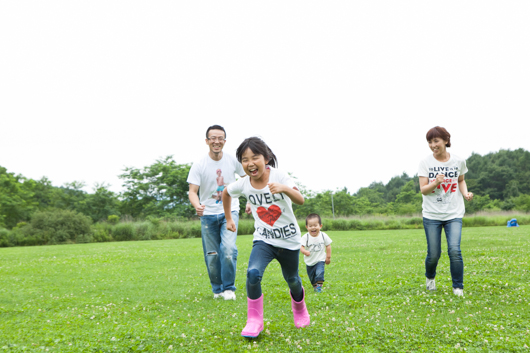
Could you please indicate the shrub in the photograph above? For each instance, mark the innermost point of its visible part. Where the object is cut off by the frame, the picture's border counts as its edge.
(4, 238)
(123, 231)
(113, 219)
(53, 227)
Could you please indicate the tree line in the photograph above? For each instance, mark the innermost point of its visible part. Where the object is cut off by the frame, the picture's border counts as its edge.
(499, 180)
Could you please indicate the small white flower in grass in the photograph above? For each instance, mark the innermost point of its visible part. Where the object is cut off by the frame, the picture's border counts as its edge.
(170, 347)
(183, 336)
(92, 318)
(113, 339)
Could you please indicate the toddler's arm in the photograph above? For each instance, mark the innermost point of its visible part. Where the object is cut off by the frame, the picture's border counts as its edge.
(304, 251)
(328, 254)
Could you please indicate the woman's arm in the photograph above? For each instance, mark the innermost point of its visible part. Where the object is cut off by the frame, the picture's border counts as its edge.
(427, 188)
(463, 188)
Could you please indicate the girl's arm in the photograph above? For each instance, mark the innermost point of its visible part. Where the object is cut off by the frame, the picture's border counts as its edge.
(293, 193)
(463, 188)
(227, 206)
(328, 254)
(427, 188)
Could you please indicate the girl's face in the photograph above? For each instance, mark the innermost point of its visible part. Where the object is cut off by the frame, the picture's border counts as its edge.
(437, 146)
(254, 165)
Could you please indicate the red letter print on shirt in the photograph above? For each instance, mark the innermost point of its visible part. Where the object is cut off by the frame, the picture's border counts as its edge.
(269, 216)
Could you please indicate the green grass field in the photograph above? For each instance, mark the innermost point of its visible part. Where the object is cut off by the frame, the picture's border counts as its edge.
(154, 296)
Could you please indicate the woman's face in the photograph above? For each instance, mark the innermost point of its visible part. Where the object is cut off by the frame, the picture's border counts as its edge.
(437, 146)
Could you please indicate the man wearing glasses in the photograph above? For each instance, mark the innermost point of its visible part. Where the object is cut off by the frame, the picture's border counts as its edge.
(208, 177)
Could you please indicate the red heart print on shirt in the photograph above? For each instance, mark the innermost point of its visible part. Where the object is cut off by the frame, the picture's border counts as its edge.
(269, 216)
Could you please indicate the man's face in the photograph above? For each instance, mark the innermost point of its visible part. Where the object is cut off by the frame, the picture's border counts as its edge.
(216, 140)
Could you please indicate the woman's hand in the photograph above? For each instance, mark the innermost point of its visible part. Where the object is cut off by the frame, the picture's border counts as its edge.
(468, 196)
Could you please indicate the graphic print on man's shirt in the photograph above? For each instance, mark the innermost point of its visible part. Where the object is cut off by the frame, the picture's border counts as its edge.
(445, 191)
(218, 196)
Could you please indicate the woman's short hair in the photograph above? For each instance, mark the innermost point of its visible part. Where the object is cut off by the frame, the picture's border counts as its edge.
(439, 132)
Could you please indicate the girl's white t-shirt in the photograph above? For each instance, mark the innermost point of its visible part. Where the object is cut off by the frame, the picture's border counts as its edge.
(446, 201)
(316, 246)
(274, 220)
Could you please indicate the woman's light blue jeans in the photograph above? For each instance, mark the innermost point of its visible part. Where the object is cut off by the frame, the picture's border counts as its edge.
(262, 254)
(220, 251)
(453, 233)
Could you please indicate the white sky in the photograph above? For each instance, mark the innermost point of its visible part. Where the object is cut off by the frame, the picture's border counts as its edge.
(342, 91)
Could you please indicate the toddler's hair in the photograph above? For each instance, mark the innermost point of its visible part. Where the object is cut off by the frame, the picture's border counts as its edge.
(257, 146)
(441, 133)
(311, 216)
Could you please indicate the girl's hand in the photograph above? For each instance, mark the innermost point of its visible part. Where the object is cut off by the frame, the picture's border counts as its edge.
(468, 196)
(439, 179)
(277, 188)
(248, 208)
(231, 225)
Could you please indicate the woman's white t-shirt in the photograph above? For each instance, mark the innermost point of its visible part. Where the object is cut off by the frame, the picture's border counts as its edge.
(274, 220)
(446, 201)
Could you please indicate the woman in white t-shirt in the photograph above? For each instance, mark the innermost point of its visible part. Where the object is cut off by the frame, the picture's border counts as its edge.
(442, 185)
(270, 193)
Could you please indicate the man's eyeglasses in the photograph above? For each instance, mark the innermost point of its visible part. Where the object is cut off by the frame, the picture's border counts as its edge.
(216, 138)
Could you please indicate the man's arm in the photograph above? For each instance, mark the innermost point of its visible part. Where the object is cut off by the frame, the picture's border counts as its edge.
(194, 199)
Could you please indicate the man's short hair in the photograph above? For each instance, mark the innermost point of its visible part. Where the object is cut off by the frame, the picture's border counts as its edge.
(311, 216)
(215, 127)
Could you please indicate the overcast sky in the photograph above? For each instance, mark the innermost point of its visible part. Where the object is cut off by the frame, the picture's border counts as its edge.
(342, 91)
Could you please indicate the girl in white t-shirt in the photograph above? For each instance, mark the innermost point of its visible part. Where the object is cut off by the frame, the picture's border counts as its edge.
(442, 185)
(270, 193)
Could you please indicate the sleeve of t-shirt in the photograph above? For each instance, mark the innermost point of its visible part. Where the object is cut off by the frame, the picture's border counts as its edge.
(327, 240)
(304, 239)
(235, 189)
(285, 179)
(463, 168)
(194, 177)
(423, 171)
(239, 169)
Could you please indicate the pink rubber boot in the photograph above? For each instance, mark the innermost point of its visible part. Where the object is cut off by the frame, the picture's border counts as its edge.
(300, 314)
(254, 318)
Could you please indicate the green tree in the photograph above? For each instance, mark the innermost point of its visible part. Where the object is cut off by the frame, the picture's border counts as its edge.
(16, 198)
(158, 190)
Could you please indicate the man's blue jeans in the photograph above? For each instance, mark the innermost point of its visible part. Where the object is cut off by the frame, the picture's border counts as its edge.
(220, 251)
(262, 254)
(453, 233)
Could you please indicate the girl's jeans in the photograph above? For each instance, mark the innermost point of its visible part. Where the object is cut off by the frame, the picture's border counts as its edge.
(220, 251)
(453, 233)
(262, 254)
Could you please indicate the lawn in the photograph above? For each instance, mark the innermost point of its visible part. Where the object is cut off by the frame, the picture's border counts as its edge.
(154, 296)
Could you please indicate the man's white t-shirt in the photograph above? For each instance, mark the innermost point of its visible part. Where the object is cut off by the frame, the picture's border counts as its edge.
(274, 220)
(212, 177)
(446, 201)
(316, 246)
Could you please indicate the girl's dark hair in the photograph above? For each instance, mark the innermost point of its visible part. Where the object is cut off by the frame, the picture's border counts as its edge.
(441, 133)
(257, 146)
